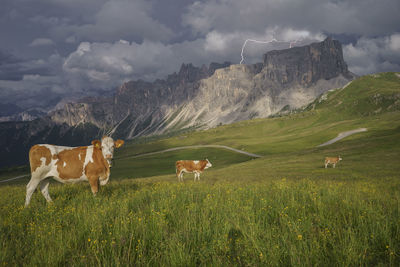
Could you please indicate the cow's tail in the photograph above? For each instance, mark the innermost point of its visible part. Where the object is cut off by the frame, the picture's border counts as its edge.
(177, 169)
(31, 157)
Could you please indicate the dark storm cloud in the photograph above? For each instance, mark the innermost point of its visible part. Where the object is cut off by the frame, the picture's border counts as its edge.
(368, 24)
(117, 20)
(13, 68)
(69, 48)
(363, 17)
(73, 21)
(370, 55)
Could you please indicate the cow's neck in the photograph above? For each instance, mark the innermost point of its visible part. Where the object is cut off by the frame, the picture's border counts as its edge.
(203, 164)
(98, 157)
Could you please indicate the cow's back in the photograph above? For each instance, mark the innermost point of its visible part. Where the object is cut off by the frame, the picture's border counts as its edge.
(65, 164)
(190, 165)
(70, 162)
(331, 159)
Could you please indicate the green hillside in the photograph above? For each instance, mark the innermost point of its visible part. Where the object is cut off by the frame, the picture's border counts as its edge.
(371, 102)
(283, 209)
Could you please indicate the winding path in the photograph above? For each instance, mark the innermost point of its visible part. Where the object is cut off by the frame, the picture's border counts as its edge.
(198, 146)
(343, 135)
(14, 178)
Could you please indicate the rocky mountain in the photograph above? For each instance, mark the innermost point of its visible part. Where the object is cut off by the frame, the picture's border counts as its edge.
(24, 115)
(287, 79)
(204, 97)
(138, 107)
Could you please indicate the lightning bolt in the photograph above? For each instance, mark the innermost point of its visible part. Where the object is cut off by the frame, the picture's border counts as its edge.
(291, 44)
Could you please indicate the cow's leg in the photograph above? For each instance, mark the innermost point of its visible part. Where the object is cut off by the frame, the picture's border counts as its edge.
(198, 176)
(94, 185)
(44, 188)
(178, 174)
(334, 165)
(326, 165)
(30, 188)
(181, 176)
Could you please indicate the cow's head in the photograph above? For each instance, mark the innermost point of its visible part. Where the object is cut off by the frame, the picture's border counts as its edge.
(107, 146)
(208, 165)
(339, 158)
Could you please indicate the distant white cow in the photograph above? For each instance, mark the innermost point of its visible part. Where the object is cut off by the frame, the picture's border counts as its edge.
(332, 160)
(191, 166)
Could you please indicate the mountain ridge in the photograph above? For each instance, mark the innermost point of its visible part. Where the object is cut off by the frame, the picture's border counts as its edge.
(197, 97)
(288, 78)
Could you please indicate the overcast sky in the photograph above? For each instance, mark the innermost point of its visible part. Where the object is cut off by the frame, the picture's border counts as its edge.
(51, 49)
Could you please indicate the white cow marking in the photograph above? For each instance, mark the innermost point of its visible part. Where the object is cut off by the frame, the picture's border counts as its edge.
(88, 158)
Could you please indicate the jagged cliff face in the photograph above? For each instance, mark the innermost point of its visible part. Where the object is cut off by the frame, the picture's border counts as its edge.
(288, 79)
(138, 107)
(306, 65)
(222, 93)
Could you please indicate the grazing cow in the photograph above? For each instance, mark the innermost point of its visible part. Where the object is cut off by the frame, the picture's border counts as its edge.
(332, 160)
(191, 166)
(70, 165)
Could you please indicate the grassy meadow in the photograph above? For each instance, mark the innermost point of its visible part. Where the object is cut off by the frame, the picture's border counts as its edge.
(281, 209)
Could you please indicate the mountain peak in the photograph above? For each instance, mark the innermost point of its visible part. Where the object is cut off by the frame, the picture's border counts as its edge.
(306, 64)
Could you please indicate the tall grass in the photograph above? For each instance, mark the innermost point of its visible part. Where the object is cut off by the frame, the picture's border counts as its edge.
(275, 223)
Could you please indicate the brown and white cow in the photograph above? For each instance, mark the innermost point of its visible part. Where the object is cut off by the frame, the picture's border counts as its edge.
(191, 166)
(332, 160)
(70, 165)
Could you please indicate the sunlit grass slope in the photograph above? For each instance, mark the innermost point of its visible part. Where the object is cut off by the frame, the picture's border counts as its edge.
(371, 102)
(284, 209)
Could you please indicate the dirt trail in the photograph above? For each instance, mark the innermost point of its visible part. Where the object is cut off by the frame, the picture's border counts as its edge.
(343, 135)
(14, 178)
(198, 146)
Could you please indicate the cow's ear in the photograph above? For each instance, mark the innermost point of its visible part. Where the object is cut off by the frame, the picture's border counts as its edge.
(119, 143)
(96, 143)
